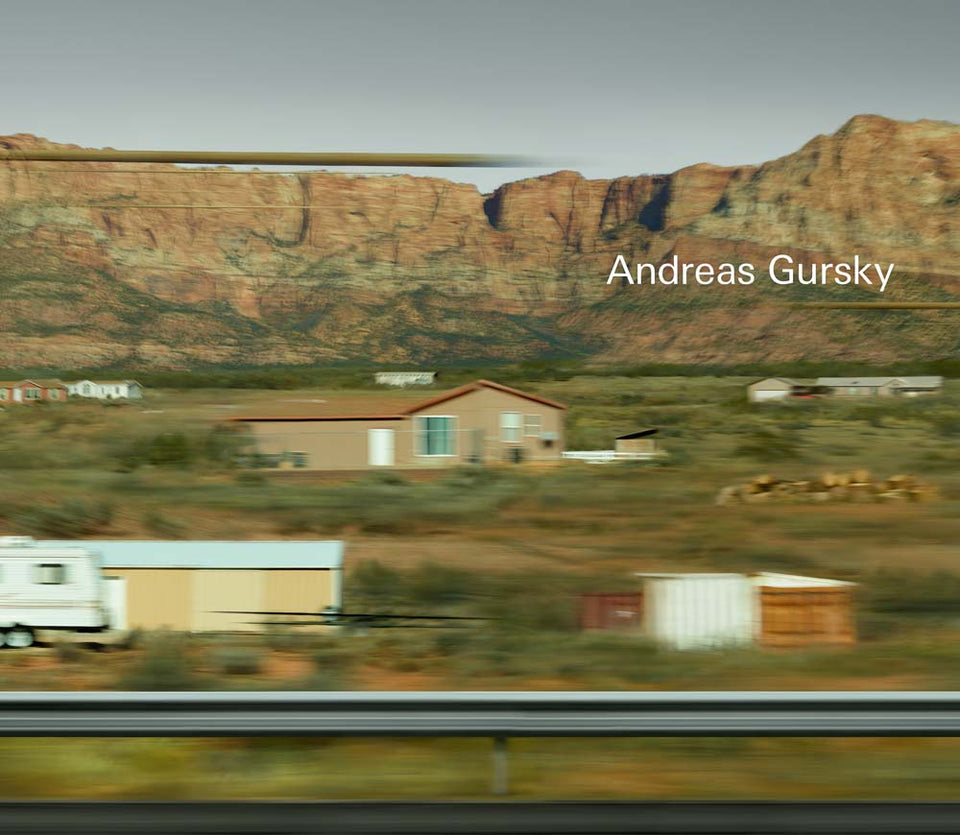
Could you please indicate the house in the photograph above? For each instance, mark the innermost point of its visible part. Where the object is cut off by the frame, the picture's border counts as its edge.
(881, 386)
(717, 610)
(772, 388)
(481, 422)
(405, 378)
(193, 586)
(32, 391)
(106, 389)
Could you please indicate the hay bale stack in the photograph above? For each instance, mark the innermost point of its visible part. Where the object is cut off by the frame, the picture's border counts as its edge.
(856, 486)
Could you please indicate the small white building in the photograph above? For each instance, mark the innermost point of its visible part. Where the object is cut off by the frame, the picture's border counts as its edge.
(771, 388)
(405, 378)
(106, 389)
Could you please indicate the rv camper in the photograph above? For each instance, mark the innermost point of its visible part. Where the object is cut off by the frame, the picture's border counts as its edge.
(46, 589)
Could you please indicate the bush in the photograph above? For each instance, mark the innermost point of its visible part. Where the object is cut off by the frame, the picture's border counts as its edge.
(71, 519)
(164, 665)
(163, 526)
(769, 445)
(237, 661)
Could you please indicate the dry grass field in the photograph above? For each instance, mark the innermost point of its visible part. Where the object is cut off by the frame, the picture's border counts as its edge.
(517, 545)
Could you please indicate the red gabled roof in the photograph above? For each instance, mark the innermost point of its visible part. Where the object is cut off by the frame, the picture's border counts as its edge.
(478, 384)
(401, 413)
(312, 418)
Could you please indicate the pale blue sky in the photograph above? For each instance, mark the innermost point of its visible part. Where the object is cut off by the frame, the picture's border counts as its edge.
(608, 88)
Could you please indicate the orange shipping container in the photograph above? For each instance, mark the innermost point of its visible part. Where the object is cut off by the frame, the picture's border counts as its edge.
(619, 611)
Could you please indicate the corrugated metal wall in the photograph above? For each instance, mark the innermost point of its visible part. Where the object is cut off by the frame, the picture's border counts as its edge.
(700, 612)
(189, 600)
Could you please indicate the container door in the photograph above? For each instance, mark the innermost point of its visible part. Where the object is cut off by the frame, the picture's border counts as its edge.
(380, 447)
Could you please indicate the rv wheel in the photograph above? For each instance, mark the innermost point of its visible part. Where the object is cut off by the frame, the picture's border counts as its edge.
(20, 637)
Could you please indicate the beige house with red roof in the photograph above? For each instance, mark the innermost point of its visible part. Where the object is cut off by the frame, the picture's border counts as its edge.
(32, 391)
(481, 422)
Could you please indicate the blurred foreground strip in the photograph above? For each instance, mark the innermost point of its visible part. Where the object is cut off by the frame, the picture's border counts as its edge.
(472, 818)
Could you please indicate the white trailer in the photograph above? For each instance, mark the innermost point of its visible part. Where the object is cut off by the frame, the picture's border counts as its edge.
(46, 589)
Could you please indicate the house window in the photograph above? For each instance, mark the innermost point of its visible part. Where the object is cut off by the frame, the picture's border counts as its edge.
(50, 574)
(511, 424)
(3, 394)
(436, 435)
(54, 394)
(31, 394)
(531, 426)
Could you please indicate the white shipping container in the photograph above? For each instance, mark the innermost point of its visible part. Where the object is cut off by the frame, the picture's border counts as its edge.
(700, 611)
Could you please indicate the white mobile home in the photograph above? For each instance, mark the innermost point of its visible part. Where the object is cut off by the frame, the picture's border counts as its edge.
(405, 378)
(106, 389)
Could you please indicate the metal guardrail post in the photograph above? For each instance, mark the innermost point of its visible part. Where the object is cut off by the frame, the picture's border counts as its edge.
(501, 766)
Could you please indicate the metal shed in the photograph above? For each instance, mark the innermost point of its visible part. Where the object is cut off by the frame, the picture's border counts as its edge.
(703, 611)
(184, 585)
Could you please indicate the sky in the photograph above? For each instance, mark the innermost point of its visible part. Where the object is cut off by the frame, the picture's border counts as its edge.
(606, 87)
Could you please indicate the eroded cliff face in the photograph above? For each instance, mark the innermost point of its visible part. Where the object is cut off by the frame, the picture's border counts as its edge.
(165, 266)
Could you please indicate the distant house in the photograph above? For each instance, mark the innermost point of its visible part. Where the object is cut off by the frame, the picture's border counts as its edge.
(481, 422)
(405, 378)
(32, 391)
(881, 386)
(772, 388)
(106, 389)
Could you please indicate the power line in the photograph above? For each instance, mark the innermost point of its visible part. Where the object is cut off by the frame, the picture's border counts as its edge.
(380, 160)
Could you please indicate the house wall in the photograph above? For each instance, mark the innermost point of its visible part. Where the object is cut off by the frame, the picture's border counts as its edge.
(344, 444)
(191, 600)
(479, 431)
(53, 393)
(635, 445)
(769, 389)
(326, 444)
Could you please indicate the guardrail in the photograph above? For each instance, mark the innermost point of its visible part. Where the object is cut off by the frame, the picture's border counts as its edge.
(497, 715)
(608, 456)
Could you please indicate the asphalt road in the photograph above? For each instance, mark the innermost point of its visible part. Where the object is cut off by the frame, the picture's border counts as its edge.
(469, 818)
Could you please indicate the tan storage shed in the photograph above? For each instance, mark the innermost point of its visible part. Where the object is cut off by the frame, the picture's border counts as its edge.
(804, 611)
(185, 586)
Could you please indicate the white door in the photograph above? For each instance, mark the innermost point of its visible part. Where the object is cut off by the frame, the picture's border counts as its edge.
(380, 447)
(17, 395)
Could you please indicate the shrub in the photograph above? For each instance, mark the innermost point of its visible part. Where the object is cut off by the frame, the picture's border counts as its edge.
(71, 519)
(164, 665)
(237, 661)
(769, 445)
(163, 526)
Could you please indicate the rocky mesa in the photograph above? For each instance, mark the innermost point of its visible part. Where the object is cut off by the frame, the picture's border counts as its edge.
(163, 266)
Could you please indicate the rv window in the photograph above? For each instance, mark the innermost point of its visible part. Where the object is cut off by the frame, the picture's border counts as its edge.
(50, 574)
